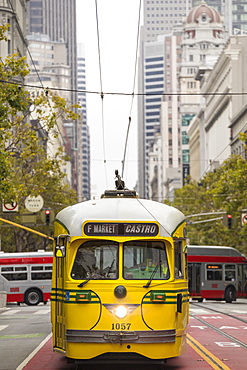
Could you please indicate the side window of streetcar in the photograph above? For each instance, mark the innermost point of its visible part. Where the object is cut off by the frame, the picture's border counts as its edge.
(178, 260)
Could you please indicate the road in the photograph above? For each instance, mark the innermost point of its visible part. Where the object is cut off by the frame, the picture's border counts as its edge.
(22, 329)
(215, 339)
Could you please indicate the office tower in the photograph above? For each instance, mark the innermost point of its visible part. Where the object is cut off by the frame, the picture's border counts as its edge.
(57, 19)
(84, 192)
(159, 19)
(161, 16)
(55, 74)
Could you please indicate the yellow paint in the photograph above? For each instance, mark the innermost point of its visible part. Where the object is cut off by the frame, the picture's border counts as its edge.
(25, 228)
(207, 356)
(94, 315)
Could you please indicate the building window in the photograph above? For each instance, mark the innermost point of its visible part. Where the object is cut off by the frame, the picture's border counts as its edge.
(186, 118)
(186, 156)
(185, 139)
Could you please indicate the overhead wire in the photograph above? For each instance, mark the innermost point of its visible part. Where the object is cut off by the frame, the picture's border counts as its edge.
(133, 90)
(232, 93)
(101, 93)
(36, 71)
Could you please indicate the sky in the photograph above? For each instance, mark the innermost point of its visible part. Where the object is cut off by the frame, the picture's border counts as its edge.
(110, 63)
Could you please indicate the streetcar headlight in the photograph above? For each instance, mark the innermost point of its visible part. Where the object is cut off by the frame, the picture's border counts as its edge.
(121, 311)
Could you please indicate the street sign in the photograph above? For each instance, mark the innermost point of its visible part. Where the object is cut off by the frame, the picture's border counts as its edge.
(28, 218)
(10, 207)
(34, 204)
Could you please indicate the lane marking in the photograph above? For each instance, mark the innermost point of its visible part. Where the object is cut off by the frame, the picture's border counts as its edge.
(3, 327)
(11, 312)
(237, 311)
(32, 354)
(212, 360)
(223, 333)
(41, 312)
(227, 344)
(199, 311)
(12, 317)
(13, 336)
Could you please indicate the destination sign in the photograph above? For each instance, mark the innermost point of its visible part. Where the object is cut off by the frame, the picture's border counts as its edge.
(120, 229)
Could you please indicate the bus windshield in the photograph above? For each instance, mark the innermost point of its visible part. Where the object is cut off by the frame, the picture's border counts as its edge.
(143, 259)
(96, 260)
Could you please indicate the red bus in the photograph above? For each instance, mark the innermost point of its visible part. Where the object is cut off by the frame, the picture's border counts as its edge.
(216, 272)
(26, 277)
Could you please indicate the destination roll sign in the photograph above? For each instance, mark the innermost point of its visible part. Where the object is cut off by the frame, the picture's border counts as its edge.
(120, 229)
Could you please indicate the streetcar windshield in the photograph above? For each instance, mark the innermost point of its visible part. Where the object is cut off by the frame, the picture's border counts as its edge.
(143, 259)
(96, 260)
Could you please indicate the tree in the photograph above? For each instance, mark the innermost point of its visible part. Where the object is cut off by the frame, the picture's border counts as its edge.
(223, 190)
(25, 166)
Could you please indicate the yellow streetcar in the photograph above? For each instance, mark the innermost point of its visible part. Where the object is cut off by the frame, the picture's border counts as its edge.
(119, 285)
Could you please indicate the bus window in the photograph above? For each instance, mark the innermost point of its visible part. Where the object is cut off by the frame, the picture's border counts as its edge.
(245, 278)
(178, 260)
(214, 272)
(142, 258)
(96, 260)
(14, 273)
(230, 273)
(41, 272)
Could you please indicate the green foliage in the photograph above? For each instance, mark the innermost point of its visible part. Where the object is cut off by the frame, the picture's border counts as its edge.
(223, 190)
(25, 167)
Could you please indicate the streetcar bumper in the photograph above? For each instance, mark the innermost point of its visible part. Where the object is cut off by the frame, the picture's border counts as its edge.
(139, 346)
(102, 336)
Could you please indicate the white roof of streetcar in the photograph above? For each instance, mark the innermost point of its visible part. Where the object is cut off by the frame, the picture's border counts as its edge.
(122, 209)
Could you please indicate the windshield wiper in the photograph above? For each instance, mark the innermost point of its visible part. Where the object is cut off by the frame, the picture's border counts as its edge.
(152, 275)
(83, 283)
(110, 268)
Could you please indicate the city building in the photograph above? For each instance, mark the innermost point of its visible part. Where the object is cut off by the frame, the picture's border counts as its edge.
(160, 17)
(224, 113)
(234, 11)
(202, 41)
(16, 33)
(48, 69)
(84, 181)
(57, 19)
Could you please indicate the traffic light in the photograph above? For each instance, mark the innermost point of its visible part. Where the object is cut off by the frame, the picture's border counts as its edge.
(229, 221)
(47, 216)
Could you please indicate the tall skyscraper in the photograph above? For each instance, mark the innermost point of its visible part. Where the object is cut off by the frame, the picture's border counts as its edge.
(57, 19)
(84, 183)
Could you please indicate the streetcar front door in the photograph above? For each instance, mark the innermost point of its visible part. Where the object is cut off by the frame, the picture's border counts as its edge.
(59, 322)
